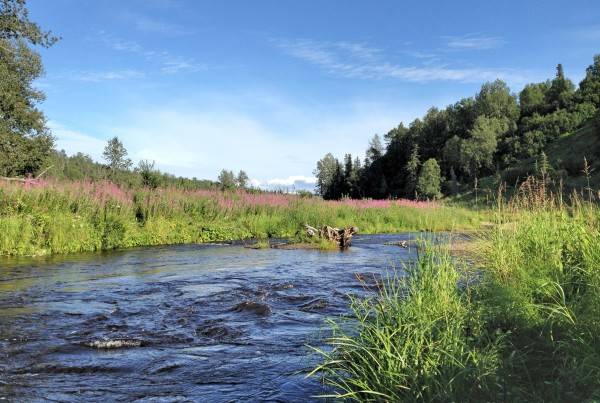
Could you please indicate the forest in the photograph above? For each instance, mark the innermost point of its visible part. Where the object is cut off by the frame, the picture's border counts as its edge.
(489, 135)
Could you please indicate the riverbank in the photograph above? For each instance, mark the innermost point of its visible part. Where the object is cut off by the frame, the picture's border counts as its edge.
(522, 325)
(53, 217)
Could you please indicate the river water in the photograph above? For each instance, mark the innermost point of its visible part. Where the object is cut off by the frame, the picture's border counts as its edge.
(210, 323)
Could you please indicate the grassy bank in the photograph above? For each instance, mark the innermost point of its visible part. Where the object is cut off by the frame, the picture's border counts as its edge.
(528, 328)
(64, 217)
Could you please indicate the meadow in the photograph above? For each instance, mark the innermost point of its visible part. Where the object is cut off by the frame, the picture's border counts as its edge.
(54, 217)
(517, 321)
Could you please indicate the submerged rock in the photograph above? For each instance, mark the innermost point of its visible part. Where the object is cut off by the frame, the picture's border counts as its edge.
(314, 305)
(282, 286)
(216, 330)
(257, 308)
(114, 343)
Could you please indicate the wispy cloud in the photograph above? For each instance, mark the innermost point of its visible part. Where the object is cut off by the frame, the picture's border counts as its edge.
(591, 33)
(473, 42)
(168, 62)
(155, 26)
(361, 61)
(176, 64)
(101, 76)
(73, 141)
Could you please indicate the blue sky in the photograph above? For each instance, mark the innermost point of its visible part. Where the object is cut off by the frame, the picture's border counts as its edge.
(271, 86)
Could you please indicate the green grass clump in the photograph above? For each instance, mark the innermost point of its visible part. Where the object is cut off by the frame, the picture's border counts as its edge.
(528, 328)
(542, 290)
(417, 340)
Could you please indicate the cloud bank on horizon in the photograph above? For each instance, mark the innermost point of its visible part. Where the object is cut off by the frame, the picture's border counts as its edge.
(202, 86)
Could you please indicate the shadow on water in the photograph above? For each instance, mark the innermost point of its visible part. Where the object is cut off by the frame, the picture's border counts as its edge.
(179, 323)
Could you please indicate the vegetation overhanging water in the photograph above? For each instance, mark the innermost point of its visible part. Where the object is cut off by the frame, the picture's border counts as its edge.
(520, 324)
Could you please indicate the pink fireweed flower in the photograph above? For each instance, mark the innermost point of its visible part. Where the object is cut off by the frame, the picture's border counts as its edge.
(381, 203)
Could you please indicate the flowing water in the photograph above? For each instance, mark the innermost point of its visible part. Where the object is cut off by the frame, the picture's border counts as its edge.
(180, 323)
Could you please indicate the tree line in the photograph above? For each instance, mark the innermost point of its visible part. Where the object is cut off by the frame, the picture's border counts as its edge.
(451, 148)
(118, 168)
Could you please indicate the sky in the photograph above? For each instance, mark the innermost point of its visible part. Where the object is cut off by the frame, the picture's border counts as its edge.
(270, 86)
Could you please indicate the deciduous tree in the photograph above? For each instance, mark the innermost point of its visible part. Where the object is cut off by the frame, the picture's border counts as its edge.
(115, 155)
(25, 141)
(242, 179)
(227, 179)
(429, 181)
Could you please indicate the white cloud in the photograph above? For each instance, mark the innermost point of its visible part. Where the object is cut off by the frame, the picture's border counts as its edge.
(291, 180)
(173, 65)
(151, 25)
(73, 141)
(101, 76)
(361, 61)
(473, 42)
(275, 141)
(293, 183)
(168, 62)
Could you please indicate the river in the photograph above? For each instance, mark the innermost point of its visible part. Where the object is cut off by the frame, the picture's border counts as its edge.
(210, 323)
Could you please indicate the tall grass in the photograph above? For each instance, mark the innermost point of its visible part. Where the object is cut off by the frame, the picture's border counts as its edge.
(527, 330)
(417, 340)
(62, 217)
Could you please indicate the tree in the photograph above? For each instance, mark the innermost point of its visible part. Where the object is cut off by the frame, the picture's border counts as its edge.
(494, 100)
(150, 176)
(226, 180)
(561, 91)
(326, 173)
(355, 178)
(433, 133)
(375, 150)
(451, 153)
(242, 179)
(589, 88)
(25, 141)
(477, 152)
(460, 117)
(115, 155)
(375, 184)
(543, 166)
(412, 171)
(532, 99)
(349, 180)
(429, 181)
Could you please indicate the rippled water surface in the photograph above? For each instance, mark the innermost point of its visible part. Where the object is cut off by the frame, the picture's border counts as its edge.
(179, 323)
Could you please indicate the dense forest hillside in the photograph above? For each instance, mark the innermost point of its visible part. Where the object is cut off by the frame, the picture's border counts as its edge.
(495, 136)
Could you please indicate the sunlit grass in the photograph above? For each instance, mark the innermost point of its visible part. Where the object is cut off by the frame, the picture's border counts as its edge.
(64, 217)
(527, 328)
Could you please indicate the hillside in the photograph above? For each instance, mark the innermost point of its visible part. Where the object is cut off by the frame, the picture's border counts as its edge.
(566, 158)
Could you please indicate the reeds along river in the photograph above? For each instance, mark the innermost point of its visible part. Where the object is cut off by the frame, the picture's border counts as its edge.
(178, 323)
